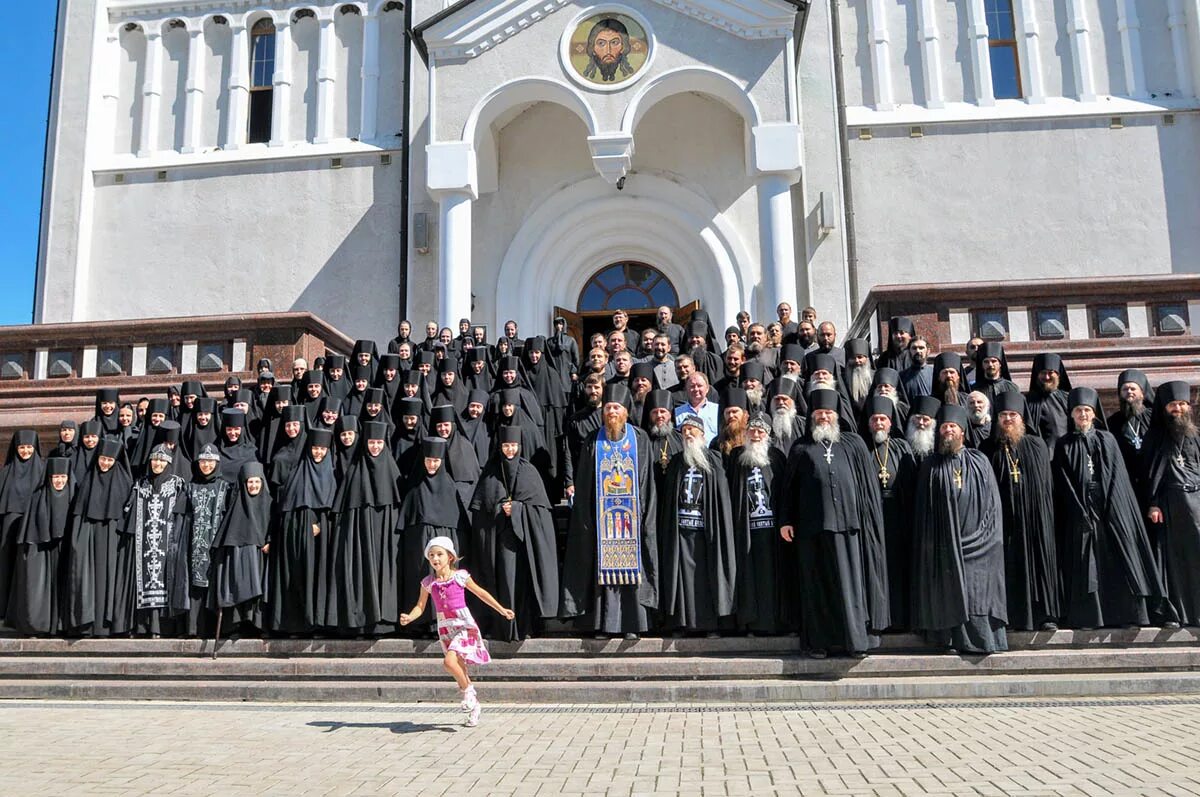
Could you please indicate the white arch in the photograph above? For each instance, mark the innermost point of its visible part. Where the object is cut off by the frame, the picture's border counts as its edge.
(702, 79)
(525, 91)
(578, 230)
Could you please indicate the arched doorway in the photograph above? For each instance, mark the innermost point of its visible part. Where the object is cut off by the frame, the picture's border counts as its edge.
(637, 288)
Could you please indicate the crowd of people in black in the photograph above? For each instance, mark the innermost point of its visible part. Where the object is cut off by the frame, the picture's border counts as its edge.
(764, 481)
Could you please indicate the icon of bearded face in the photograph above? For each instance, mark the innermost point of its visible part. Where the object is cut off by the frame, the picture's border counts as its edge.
(608, 50)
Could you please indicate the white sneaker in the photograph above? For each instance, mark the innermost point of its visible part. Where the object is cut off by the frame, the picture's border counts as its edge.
(469, 700)
(473, 717)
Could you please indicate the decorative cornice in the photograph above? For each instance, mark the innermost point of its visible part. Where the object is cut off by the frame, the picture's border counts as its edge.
(137, 10)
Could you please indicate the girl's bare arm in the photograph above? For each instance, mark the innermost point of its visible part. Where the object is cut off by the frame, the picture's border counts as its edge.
(487, 598)
(417, 610)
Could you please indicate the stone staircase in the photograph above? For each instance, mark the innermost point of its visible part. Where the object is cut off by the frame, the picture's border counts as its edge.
(566, 670)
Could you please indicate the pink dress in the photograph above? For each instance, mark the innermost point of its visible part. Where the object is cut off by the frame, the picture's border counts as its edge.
(457, 629)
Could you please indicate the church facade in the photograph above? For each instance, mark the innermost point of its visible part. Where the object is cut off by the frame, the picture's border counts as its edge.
(499, 159)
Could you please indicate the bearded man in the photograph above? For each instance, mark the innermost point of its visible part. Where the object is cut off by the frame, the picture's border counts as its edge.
(991, 371)
(735, 413)
(921, 429)
(860, 374)
(979, 412)
(1130, 425)
(581, 427)
(895, 468)
(788, 411)
(756, 487)
(949, 379)
(1046, 401)
(665, 440)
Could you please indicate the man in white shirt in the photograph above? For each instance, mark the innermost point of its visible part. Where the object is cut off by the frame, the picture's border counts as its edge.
(698, 404)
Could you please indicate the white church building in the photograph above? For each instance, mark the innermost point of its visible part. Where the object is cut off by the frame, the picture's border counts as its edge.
(493, 159)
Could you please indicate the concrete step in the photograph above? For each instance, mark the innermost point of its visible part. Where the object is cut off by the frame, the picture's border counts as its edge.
(620, 692)
(394, 647)
(606, 668)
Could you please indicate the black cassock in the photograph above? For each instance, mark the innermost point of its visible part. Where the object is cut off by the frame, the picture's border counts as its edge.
(663, 449)
(19, 481)
(152, 558)
(755, 491)
(698, 550)
(835, 508)
(1173, 485)
(1032, 577)
(34, 607)
(515, 557)
(609, 609)
(895, 469)
(547, 385)
(295, 555)
(432, 507)
(1109, 577)
(1048, 414)
(579, 428)
(958, 562)
(206, 501)
(239, 565)
(97, 515)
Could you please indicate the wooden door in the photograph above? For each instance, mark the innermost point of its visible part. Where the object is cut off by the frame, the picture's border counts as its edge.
(684, 314)
(574, 326)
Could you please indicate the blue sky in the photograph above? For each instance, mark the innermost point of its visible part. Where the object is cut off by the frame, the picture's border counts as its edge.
(26, 58)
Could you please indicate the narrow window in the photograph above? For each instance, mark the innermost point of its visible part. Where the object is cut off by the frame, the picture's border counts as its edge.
(1002, 45)
(262, 84)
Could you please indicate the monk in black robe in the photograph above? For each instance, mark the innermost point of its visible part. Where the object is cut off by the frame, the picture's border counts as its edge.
(1109, 574)
(992, 376)
(756, 488)
(921, 429)
(580, 427)
(788, 409)
(34, 606)
(20, 478)
(1021, 463)
(615, 513)
(950, 384)
(895, 469)
(833, 514)
(698, 550)
(958, 568)
(1046, 400)
(513, 538)
(658, 421)
(207, 496)
(239, 552)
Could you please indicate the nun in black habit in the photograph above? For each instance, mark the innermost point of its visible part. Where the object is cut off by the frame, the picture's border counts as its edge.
(106, 412)
(272, 422)
(474, 430)
(68, 440)
(477, 375)
(207, 496)
(460, 462)
(513, 540)
(296, 545)
(509, 412)
(1108, 566)
(345, 435)
(547, 386)
(336, 384)
(450, 389)
(958, 564)
(288, 448)
(20, 478)
(235, 444)
(89, 444)
(406, 444)
(34, 606)
(239, 551)
(199, 428)
(156, 413)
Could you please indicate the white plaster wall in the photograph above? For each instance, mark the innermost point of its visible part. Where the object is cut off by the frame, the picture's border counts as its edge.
(1157, 56)
(1066, 198)
(347, 99)
(905, 64)
(1104, 43)
(852, 18)
(174, 89)
(129, 101)
(218, 44)
(1058, 76)
(306, 35)
(391, 75)
(954, 54)
(279, 236)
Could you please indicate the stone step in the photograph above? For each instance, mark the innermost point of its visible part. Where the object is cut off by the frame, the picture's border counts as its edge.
(394, 647)
(619, 692)
(606, 668)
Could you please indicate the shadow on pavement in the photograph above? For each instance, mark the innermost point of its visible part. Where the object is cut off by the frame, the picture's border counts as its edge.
(394, 727)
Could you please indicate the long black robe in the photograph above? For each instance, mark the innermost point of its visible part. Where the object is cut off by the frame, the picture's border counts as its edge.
(835, 508)
(1173, 485)
(364, 557)
(462, 464)
(295, 554)
(207, 497)
(515, 557)
(239, 566)
(547, 385)
(35, 607)
(1032, 578)
(476, 433)
(97, 515)
(580, 427)
(895, 470)
(432, 507)
(1048, 414)
(662, 450)
(153, 555)
(609, 609)
(19, 481)
(958, 563)
(755, 492)
(1108, 568)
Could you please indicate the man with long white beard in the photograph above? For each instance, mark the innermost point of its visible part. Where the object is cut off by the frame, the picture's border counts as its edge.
(958, 543)
(1046, 400)
(895, 469)
(754, 383)
(979, 412)
(756, 487)
(949, 379)
(665, 440)
(788, 411)
(791, 361)
(610, 570)
(991, 371)
(860, 374)
(1021, 462)
(920, 430)
(1109, 574)
(828, 375)
(698, 549)
(1173, 489)
(832, 513)
(735, 412)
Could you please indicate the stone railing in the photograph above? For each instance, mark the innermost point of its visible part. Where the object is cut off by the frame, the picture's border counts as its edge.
(50, 372)
(1100, 326)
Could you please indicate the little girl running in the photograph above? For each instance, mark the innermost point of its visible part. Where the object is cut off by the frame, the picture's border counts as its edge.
(457, 630)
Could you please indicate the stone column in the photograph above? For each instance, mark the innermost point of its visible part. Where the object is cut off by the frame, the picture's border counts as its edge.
(1178, 24)
(881, 58)
(1026, 22)
(981, 56)
(778, 158)
(281, 107)
(370, 78)
(326, 82)
(453, 180)
(193, 123)
(151, 95)
(237, 119)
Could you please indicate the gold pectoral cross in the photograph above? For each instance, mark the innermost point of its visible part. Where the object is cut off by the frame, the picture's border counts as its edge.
(958, 479)
(1015, 473)
(884, 476)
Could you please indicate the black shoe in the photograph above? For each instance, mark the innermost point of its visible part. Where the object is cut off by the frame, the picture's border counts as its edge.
(817, 653)
(1049, 626)
(1171, 625)
(631, 637)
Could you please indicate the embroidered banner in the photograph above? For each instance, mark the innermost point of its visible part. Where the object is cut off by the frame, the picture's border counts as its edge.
(618, 511)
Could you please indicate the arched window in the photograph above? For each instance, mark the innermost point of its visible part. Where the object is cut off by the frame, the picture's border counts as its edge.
(262, 80)
(627, 286)
(1002, 46)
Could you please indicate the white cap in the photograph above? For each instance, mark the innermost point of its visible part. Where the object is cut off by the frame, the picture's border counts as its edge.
(441, 542)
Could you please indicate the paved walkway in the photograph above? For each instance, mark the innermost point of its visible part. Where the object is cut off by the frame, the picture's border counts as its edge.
(1002, 747)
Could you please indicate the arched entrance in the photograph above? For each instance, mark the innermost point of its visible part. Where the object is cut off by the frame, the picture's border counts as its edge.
(637, 288)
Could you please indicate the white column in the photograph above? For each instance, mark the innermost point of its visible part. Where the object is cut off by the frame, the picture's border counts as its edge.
(187, 356)
(326, 82)
(1177, 22)
(776, 238)
(370, 78)
(137, 360)
(1033, 89)
(239, 87)
(1131, 49)
(193, 127)
(151, 95)
(931, 60)
(111, 86)
(281, 104)
(87, 368)
(981, 57)
(454, 257)
(881, 66)
(1081, 53)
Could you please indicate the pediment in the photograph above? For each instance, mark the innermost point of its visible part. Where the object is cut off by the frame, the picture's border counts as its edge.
(470, 28)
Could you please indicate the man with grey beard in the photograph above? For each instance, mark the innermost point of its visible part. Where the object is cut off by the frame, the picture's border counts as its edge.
(756, 474)
(895, 468)
(698, 547)
(949, 379)
(787, 413)
(1021, 462)
(791, 361)
(665, 441)
(753, 382)
(1109, 573)
(1046, 401)
(979, 410)
(860, 375)
(920, 431)
(832, 513)
(958, 563)
(1173, 487)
